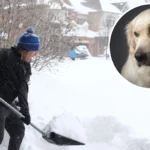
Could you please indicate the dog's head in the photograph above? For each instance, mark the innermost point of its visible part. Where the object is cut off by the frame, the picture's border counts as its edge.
(138, 36)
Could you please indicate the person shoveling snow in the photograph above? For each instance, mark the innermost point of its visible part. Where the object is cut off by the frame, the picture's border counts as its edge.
(15, 71)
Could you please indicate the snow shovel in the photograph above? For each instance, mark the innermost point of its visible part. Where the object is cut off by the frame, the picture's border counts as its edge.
(53, 137)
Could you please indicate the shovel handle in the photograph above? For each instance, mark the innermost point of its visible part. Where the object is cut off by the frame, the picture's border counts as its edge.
(20, 115)
(11, 108)
(38, 129)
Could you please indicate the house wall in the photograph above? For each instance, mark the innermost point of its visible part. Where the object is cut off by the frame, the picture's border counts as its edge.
(81, 18)
(95, 46)
(108, 19)
(100, 18)
(72, 15)
(94, 20)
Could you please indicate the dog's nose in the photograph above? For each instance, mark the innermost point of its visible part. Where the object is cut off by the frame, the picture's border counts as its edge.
(140, 57)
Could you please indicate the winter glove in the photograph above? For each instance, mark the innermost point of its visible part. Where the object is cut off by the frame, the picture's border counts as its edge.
(16, 105)
(26, 119)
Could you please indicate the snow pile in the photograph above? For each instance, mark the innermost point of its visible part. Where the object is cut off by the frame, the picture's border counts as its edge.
(107, 133)
(66, 125)
(82, 52)
(106, 128)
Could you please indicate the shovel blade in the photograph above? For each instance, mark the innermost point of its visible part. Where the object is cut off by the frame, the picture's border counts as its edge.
(61, 140)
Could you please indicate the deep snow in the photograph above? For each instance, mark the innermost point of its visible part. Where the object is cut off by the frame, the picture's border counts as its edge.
(114, 113)
(66, 125)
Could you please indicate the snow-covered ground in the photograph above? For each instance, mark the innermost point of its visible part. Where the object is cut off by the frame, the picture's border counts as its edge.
(115, 114)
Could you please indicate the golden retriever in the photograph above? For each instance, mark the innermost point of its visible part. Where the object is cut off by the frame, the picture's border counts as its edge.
(137, 67)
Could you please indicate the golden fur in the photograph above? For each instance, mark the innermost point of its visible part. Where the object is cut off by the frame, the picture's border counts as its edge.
(138, 37)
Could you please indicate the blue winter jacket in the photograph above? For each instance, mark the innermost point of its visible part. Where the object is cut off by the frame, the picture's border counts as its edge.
(72, 53)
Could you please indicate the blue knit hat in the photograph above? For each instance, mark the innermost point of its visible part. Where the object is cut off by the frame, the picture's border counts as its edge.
(29, 41)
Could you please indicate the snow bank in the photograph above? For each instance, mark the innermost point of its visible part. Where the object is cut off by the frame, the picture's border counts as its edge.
(107, 133)
(66, 125)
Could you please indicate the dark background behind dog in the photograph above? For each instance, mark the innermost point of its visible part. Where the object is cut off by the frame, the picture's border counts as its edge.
(118, 42)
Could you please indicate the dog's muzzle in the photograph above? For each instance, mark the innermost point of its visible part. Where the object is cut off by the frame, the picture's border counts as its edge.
(142, 58)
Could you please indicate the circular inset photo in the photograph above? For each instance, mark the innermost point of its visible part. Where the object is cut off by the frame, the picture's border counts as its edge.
(130, 46)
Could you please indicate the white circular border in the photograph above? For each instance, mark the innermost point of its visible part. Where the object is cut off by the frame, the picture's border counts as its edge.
(110, 35)
(116, 22)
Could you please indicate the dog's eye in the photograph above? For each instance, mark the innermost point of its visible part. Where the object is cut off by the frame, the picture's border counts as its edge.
(149, 31)
(136, 34)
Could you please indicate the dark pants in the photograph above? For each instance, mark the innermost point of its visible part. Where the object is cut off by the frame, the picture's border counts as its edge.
(14, 127)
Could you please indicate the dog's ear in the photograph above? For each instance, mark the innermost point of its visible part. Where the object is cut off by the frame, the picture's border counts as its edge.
(130, 37)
